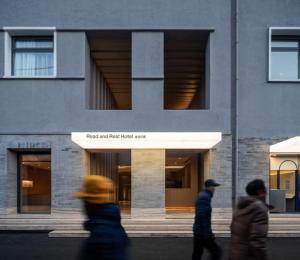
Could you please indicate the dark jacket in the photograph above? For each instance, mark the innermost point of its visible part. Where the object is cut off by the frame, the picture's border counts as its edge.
(249, 230)
(108, 239)
(202, 225)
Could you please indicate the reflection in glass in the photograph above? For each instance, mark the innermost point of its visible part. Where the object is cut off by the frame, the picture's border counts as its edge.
(33, 56)
(287, 184)
(33, 64)
(285, 44)
(285, 65)
(285, 59)
(35, 183)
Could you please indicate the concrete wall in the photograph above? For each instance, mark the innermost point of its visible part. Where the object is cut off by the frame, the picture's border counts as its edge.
(220, 169)
(265, 109)
(147, 182)
(100, 95)
(66, 96)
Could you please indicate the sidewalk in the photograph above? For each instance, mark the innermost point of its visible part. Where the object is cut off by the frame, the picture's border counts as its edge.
(173, 225)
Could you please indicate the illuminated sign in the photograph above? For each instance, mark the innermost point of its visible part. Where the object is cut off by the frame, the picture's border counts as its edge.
(146, 140)
(289, 146)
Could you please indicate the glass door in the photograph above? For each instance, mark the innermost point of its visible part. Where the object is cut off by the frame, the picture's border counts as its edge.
(34, 183)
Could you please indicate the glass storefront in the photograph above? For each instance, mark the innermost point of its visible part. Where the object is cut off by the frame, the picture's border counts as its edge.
(34, 183)
(284, 184)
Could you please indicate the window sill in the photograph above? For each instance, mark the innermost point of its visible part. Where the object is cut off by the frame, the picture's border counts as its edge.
(42, 78)
(284, 81)
(28, 77)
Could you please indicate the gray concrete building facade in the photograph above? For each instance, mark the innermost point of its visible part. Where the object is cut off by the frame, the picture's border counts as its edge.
(224, 72)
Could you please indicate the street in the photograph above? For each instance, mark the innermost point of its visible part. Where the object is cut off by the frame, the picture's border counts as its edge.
(27, 246)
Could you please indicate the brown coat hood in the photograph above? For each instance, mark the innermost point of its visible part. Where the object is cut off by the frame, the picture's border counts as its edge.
(249, 230)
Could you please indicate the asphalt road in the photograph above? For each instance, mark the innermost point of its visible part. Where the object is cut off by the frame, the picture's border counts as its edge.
(27, 246)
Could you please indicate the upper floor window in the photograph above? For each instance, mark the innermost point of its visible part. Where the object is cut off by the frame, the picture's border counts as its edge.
(285, 58)
(32, 56)
(284, 54)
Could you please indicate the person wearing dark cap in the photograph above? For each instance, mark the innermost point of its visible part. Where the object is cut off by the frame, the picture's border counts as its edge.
(249, 226)
(203, 235)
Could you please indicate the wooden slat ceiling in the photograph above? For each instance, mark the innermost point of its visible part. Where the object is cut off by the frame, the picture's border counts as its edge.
(184, 67)
(112, 53)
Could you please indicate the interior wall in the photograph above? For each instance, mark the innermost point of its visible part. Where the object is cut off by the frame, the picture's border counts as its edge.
(184, 197)
(147, 182)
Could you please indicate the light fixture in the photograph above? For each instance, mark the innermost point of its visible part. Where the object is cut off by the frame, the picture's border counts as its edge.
(174, 167)
(27, 184)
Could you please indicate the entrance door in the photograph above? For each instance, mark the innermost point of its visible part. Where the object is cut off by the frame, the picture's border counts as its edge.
(34, 183)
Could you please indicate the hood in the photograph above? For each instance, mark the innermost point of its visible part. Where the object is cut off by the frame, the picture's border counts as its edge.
(245, 202)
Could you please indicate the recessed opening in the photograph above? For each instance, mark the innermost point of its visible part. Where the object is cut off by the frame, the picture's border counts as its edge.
(116, 165)
(110, 79)
(185, 171)
(185, 59)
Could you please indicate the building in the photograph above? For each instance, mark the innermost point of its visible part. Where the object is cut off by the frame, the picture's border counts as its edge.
(157, 95)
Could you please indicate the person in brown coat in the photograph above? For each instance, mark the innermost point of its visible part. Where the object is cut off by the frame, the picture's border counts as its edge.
(249, 226)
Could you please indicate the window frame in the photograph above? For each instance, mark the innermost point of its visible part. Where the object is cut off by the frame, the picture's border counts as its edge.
(10, 32)
(14, 50)
(283, 34)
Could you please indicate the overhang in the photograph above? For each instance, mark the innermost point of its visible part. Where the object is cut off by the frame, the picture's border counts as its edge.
(146, 140)
(289, 146)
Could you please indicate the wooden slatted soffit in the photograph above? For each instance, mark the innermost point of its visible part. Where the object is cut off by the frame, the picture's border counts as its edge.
(184, 86)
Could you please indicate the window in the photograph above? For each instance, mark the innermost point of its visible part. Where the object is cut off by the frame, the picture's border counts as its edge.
(285, 58)
(32, 56)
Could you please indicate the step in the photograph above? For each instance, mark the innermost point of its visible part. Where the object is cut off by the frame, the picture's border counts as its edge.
(84, 234)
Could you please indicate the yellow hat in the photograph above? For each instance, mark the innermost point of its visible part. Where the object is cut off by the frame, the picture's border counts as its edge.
(96, 189)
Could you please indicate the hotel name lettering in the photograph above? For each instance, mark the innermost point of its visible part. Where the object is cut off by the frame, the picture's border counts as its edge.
(116, 136)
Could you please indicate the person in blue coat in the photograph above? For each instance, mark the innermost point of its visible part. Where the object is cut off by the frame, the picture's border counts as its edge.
(108, 239)
(203, 234)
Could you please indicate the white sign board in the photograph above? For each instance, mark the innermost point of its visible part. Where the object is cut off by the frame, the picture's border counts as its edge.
(146, 140)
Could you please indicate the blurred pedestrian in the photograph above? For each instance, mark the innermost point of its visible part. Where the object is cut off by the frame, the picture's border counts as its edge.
(249, 226)
(108, 239)
(203, 235)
